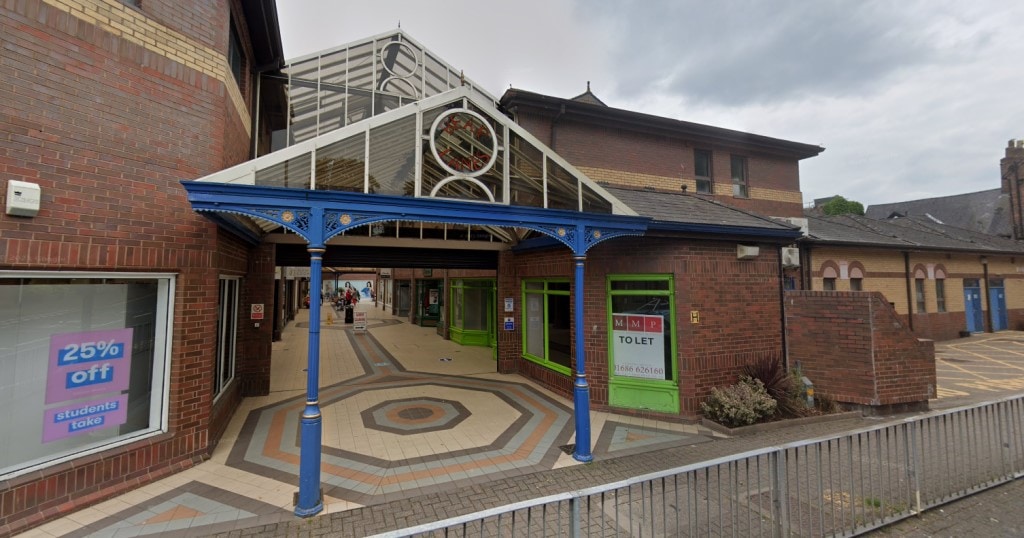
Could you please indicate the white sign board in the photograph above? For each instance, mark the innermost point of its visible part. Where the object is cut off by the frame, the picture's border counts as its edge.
(638, 344)
(359, 321)
(256, 311)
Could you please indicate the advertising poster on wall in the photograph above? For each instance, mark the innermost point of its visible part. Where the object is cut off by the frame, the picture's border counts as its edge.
(360, 285)
(638, 345)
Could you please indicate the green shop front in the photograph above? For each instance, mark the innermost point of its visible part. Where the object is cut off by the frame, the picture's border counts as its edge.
(472, 312)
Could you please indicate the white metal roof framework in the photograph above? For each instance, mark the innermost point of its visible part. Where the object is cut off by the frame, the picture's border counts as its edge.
(386, 116)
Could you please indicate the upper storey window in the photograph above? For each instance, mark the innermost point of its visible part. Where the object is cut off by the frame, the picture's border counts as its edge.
(740, 182)
(702, 171)
(235, 58)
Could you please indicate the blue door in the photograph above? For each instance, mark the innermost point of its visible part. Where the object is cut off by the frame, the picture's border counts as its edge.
(997, 301)
(973, 310)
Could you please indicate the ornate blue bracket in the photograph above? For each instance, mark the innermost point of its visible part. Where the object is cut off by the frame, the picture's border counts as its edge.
(317, 216)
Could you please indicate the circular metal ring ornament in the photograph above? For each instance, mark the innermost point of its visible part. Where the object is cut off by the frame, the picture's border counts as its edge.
(463, 143)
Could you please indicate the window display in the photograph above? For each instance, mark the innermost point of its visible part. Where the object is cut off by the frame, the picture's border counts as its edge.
(82, 363)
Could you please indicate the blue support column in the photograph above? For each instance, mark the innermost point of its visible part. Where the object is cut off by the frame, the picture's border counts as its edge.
(581, 391)
(310, 502)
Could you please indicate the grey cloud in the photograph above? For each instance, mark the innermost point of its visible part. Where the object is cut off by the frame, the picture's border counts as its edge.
(746, 52)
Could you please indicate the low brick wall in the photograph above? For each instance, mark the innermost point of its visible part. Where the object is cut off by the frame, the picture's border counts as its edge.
(857, 350)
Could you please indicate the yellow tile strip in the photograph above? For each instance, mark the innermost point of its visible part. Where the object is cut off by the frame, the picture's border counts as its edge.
(126, 23)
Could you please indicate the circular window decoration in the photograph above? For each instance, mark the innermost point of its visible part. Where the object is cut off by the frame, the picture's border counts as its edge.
(397, 49)
(463, 142)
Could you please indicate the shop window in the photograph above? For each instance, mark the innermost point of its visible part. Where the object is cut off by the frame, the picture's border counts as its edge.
(472, 311)
(82, 363)
(740, 182)
(856, 284)
(919, 294)
(828, 284)
(641, 327)
(940, 295)
(227, 328)
(547, 329)
(702, 171)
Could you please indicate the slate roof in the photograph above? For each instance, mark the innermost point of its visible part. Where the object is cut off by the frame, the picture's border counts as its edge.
(909, 233)
(983, 211)
(588, 97)
(582, 108)
(667, 208)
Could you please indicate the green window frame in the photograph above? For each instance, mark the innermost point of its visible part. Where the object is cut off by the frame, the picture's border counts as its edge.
(646, 296)
(643, 369)
(471, 312)
(547, 323)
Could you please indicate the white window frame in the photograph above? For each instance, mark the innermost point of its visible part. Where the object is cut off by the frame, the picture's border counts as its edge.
(162, 339)
(225, 358)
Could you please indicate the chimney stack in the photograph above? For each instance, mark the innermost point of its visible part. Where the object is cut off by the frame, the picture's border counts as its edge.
(1012, 176)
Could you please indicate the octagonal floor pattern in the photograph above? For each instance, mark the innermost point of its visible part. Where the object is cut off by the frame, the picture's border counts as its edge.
(404, 412)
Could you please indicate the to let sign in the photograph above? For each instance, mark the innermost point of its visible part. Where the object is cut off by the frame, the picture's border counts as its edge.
(256, 311)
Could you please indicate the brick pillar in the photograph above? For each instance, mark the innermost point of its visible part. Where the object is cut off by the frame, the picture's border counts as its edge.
(510, 343)
(253, 361)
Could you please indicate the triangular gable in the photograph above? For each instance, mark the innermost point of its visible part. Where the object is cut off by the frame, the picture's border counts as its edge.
(355, 81)
(451, 145)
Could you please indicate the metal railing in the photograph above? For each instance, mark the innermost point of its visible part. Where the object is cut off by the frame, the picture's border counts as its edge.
(840, 485)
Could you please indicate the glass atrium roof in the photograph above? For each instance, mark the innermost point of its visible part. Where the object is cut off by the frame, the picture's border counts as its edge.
(386, 116)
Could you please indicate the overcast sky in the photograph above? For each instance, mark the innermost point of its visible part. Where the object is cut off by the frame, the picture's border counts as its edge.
(911, 99)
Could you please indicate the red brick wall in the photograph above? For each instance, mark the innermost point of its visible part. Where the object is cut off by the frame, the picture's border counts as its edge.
(607, 148)
(856, 350)
(253, 363)
(107, 129)
(939, 326)
(737, 301)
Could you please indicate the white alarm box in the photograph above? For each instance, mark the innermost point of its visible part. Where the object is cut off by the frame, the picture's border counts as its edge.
(23, 198)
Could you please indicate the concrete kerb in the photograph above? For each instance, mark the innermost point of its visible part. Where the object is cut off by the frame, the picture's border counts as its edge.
(774, 425)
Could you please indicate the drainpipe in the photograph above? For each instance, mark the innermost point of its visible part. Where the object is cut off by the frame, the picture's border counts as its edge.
(1019, 221)
(554, 121)
(782, 311)
(805, 271)
(910, 302)
(988, 300)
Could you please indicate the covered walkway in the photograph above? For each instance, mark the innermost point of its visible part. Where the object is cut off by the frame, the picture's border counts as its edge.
(404, 413)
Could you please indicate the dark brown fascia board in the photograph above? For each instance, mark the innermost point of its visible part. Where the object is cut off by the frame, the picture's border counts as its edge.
(514, 99)
(264, 33)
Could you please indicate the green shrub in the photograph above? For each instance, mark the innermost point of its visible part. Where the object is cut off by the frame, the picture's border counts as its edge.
(741, 404)
(781, 385)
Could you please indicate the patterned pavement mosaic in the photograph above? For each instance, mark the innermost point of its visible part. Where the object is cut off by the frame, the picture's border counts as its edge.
(405, 412)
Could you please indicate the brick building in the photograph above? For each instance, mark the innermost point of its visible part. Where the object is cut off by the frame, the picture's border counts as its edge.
(950, 266)
(373, 154)
(105, 107)
(943, 281)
